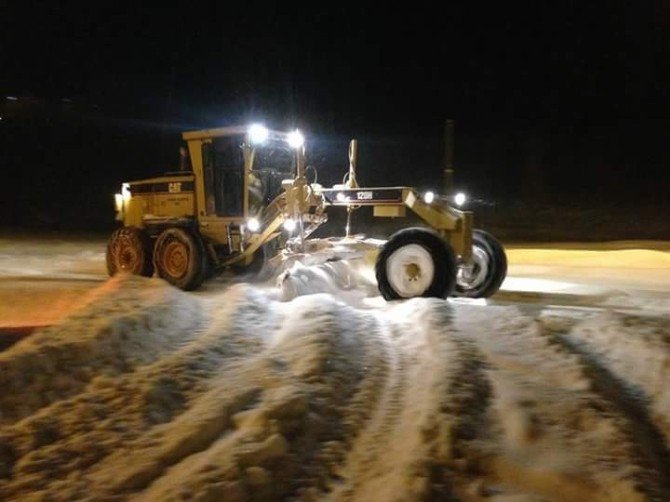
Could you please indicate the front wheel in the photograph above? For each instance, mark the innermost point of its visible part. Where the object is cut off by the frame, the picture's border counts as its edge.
(415, 262)
(484, 275)
(129, 250)
(180, 258)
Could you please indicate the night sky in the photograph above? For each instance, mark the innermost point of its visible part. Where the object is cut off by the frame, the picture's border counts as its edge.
(576, 91)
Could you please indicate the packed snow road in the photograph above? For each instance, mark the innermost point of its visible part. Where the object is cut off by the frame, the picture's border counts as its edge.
(553, 390)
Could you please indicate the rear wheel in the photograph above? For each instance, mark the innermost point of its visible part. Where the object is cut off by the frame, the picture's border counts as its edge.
(129, 250)
(180, 258)
(484, 275)
(415, 262)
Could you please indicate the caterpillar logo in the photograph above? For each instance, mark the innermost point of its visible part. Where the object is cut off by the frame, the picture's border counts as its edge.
(174, 187)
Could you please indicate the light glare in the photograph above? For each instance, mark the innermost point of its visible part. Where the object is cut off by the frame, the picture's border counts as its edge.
(429, 197)
(253, 224)
(295, 139)
(460, 198)
(289, 225)
(258, 134)
(118, 201)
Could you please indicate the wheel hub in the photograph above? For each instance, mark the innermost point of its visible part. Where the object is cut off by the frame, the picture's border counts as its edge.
(175, 259)
(473, 274)
(410, 270)
(413, 271)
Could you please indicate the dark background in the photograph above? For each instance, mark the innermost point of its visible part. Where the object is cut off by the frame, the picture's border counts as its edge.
(562, 118)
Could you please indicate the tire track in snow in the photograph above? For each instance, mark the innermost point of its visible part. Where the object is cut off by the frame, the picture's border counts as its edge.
(299, 392)
(432, 395)
(464, 421)
(352, 414)
(636, 350)
(372, 439)
(342, 388)
(559, 437)
(648, 440)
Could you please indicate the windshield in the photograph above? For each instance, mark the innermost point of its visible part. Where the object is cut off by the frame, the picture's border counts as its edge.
(224, 174)
(272, 164)
(273, 157)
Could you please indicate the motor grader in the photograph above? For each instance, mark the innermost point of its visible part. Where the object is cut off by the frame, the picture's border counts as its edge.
(246, 200)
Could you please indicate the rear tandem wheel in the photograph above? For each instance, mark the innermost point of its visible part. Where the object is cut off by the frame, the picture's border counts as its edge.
(484, 276)
(129, 250)
(180, 258)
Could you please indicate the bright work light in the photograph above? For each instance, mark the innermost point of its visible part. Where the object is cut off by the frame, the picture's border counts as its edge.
(253, 224)
(289, 225)
(258, 134)
(295, 139)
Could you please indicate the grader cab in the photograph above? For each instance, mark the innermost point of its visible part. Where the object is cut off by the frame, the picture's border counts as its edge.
(247, 199)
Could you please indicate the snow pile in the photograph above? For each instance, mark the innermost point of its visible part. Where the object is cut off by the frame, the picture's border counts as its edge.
(135, 322)
(333, 277)
(228, 406)
(235, 395)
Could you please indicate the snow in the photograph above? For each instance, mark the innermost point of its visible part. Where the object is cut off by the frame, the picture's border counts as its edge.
(636, 350)
(314, 388)
(635, 267)
(134, 322)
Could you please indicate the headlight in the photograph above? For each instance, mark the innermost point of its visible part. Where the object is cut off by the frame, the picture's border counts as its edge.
(295, 139)
(253, 225)
(429, 197)
(118, 201)
(289, 225)
(258, 134)
(460, 198)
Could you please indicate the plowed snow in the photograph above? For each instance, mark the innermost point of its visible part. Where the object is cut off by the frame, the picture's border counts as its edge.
(251, 393)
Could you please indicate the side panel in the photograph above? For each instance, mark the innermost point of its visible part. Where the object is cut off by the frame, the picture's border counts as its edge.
(215, 229)
(160, 198)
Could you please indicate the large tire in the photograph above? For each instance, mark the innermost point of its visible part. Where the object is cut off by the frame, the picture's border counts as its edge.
(415, 262)
(180, 259)
(129, 250)
(487, 273)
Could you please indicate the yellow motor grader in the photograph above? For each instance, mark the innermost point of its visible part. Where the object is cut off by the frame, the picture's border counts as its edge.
(245, 198)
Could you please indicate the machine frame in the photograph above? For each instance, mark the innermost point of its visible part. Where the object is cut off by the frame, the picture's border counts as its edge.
(179, 200)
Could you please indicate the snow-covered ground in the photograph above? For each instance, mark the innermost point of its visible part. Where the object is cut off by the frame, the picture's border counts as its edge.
(555, 389)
